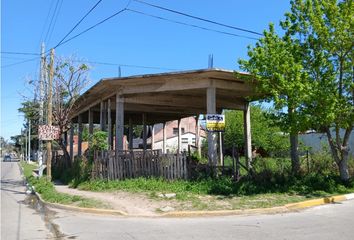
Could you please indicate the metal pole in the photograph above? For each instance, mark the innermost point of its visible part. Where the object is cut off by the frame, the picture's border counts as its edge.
(41, 104)
(26, 151)
(29, 141)
(49, 143)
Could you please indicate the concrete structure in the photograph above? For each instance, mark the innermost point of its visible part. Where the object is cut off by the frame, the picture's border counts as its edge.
(189, 133)
(159, 98)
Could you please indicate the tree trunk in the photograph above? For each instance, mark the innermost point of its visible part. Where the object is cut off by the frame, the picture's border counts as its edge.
(295, 162)
(343, 167)
(341, 155)
(66, 153)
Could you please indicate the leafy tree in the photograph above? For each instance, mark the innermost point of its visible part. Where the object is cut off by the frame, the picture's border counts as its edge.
(276, 64)
(309, 72)
(70, 78)
(266, 136)
(325, 30)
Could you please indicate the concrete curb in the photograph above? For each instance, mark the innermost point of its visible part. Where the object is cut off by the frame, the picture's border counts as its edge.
(80, 209)
(256, 211)
(73, 208)
(280, 209)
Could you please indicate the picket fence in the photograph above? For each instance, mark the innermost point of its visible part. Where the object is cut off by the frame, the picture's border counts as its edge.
(134, 164)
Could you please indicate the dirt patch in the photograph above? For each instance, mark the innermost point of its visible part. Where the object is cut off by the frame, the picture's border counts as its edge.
(131, 203)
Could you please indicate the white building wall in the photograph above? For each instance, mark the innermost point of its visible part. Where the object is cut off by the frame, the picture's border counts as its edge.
(172, 143)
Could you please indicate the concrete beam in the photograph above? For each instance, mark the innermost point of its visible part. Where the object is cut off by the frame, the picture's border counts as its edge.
(90, 121)
(109, 129)
(212, 143)
(71, 142)
(119, 122)
(247, 135)
(164, 138)
(130, 139)
(179, 149)
(79, 143)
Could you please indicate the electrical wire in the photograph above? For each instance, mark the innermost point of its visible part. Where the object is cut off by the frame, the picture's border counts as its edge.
(19, 53)
(127, 65)
(199, 18)
(55, 21)
(78, 23)
(14, 64)
(88, 29)
(190, 25)
(51, 21)
(46, 20)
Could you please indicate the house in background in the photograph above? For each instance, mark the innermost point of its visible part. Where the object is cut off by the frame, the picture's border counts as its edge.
(188, 135)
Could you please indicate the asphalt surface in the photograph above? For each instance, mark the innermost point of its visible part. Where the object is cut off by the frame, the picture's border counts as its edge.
(18, 219)
(333, 221)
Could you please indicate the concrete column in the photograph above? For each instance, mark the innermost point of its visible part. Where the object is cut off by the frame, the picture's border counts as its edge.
(71, 142)
(119, 122)
(164, 138)
(109, 129)
(130, 133)
(247, 134)
(221, 154)
(212, 143)
(153, 137)
(144, 131)
(197, 136)
(179, 149)
(90, 121)
(79, 143)
(101, 115)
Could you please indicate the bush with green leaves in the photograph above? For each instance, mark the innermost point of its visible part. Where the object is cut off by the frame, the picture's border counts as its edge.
(267, 138)
(98, 141)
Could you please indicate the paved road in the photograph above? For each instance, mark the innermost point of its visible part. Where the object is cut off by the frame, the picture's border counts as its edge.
(335, 221)
(18, 220)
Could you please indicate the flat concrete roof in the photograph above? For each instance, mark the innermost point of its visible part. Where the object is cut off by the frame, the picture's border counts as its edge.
(168, 96)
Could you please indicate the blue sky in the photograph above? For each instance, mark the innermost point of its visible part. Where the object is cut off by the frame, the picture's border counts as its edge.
(127, 39)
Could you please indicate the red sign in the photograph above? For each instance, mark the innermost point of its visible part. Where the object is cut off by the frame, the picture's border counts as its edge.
(46, 132)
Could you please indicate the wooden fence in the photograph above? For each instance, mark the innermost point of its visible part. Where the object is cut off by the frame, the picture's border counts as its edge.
(134, 164)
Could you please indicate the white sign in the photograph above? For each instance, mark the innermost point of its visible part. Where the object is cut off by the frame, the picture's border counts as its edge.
(215, 122)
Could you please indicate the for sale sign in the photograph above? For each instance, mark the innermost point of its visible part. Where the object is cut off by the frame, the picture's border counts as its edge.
(215, 122)
(47, 132)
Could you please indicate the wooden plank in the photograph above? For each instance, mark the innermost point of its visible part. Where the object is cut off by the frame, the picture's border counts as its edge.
(185, 167)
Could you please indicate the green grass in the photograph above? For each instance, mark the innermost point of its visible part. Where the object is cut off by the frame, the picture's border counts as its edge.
(47, 191)
(28, 168)
(223, 193)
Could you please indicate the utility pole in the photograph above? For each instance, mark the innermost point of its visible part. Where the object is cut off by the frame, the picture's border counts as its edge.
(29, 141)
(25, 156)
(41, 82)
(49, 117)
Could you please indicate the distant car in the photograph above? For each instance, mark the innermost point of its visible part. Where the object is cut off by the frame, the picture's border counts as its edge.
(7, 158)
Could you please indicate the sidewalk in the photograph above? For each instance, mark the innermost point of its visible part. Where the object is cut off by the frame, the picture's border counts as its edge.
(133, 204)
(138, 204)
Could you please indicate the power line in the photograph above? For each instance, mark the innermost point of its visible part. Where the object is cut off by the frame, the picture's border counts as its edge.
(126, 65)
(46, 20)
(199, 18)
(55, 21)
(51, 20)
(79, 22)
(88, 29)
(13, 64)
(190, 25)
(18, 53)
